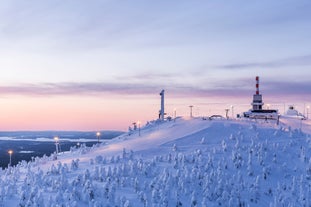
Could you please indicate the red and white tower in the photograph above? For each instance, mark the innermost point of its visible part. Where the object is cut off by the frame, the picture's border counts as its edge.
(257, 98)
(257, 85)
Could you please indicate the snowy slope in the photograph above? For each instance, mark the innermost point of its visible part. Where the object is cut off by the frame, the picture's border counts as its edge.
(186, 162)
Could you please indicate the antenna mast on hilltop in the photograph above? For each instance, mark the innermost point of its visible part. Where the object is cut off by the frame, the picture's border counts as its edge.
(257, 98)
(161, 113)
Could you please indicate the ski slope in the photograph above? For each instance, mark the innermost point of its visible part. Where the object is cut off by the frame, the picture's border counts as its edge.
(183, 162)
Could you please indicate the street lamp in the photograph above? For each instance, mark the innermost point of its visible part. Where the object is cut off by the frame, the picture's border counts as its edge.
(138, 123)
(174, 114)
(10, 153)
(232, 113)
(308, 107)
(191, 110)
(227, 110)
(56, 138)
(97, 135)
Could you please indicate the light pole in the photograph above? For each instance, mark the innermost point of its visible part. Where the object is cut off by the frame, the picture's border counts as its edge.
(138, 123)
(232, 113)
(174, 114)
(191, 110)
(304, 109)
(56, 138)
(227, 110)
(10, 153)
(308, 107)
(97, 135)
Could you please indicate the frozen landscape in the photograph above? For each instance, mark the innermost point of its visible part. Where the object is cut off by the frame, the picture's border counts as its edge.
(29, 144)
(182, 162)
(71, 70)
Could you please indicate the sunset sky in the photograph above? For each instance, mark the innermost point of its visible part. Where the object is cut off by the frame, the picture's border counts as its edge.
(100, 64)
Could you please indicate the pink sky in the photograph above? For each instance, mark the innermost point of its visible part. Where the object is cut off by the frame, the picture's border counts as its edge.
(90, 65)
(111, 112)
(71, 113)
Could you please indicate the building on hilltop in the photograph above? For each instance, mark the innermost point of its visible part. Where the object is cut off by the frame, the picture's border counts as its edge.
(258, 112)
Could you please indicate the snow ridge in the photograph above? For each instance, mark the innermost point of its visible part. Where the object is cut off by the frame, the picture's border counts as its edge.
(184, 163)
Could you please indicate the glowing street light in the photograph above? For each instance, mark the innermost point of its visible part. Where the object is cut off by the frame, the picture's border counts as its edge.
(97, 135)
(56, 138)
(10, 153)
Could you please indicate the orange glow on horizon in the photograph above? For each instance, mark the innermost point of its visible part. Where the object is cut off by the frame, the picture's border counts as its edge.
(90, 113)
(72, 113)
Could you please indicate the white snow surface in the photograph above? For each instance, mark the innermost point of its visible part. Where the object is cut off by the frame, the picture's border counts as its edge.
(186, 162)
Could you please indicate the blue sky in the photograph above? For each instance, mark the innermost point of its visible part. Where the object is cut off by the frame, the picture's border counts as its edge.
(190, 48)
(184, 41)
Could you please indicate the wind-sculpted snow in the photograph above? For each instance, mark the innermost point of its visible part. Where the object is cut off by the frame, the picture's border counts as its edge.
(225, 163)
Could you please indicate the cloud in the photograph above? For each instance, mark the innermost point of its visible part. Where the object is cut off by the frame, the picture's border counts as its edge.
(59, 25)
(288, 88)
(150, 76)
(233, 90)
(52, 89)
(292, 61)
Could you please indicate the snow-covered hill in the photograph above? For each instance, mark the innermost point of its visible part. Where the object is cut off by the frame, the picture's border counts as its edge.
(186, 162)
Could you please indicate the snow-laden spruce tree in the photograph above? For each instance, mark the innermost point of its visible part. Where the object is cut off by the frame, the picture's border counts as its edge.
(250, 171)
(194, 201)
(255, 191)
(224, 145)
(74, 164)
